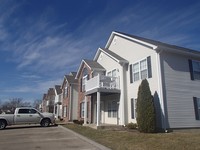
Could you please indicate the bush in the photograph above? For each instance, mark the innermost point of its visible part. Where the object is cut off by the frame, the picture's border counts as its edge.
(79, 122)
(132, 125)
(146, 118)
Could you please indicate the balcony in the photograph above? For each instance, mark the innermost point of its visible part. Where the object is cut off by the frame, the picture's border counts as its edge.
(102, 83)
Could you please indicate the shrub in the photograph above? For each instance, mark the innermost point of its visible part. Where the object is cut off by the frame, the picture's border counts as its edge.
(146, 118)
(132, 125)
(79, 122)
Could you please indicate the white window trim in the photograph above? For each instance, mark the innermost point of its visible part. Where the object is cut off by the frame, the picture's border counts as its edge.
(139, 62)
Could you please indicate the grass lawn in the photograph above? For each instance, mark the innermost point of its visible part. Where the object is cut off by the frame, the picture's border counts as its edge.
(132, 140)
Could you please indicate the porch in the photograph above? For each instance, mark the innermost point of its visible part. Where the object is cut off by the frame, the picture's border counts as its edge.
(102, 83)
(106, 127)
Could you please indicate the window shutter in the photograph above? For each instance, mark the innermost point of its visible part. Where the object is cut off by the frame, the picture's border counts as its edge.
(131, 74)
(149, 67)
(196, 108)
(191, 69)
(132, 108)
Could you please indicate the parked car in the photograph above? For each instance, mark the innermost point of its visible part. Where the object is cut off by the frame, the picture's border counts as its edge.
(26, 115)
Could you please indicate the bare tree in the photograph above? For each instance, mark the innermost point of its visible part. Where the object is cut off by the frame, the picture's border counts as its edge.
(36, 103)
(9, 106)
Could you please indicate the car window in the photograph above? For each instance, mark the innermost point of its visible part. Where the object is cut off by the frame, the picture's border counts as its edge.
(32, 111)
(23, 111)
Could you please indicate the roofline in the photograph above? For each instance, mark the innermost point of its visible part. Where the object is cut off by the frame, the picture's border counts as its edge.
(157, 48)
(102, 50)
(130, 38)
(82, 61)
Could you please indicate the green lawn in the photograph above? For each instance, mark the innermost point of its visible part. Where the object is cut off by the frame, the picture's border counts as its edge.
(133, 140)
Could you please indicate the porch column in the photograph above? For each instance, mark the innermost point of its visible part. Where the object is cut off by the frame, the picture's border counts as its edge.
(98, 108)
(122, 98)
(85, 111)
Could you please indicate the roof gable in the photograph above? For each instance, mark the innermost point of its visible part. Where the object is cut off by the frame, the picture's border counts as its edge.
(92, 65)
(58, 89)
(155, 45)
(111, 54)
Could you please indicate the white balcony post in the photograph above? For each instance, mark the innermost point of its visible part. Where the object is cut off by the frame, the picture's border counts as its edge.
(85, 111)
(98, 108)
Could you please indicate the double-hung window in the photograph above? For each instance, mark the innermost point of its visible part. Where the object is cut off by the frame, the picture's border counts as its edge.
(66, 91)
(112, 109)
(82, 109)
(112, 73)
(194, 69)
(140, 70)
(133, 108)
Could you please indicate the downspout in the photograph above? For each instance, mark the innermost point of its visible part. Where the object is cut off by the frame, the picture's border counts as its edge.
(122, 97)
(160, 88)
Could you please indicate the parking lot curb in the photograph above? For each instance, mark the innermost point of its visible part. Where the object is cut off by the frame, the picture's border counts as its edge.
(101, 147)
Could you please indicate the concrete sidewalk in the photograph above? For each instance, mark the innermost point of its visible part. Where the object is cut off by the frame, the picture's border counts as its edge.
(101, 147)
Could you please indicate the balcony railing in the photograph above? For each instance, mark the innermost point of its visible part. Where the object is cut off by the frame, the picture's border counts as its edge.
(102, 81)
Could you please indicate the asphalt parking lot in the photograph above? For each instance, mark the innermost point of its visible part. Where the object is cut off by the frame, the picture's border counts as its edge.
(40, 138)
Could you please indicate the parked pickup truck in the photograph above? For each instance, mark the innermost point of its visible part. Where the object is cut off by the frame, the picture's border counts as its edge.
(26, 115)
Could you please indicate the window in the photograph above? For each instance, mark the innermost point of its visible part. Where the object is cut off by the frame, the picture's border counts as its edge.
(65, 111)
(32, 111)
(133, 108)
(143, 69)
(82, 109)
(84, 82)
(85, 77)
(66, 91)
(23, 111)
(136, 73)
(140, 70)
(27, 111)
(112, 109)
(109, 74)
(112, 73)
(194, 69)
(197, 107)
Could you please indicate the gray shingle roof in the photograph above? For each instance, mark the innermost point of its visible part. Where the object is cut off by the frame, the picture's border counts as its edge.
(71, 79)
(93, 65)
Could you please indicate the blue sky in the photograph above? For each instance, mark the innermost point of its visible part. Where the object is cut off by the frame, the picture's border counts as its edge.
(42, 40)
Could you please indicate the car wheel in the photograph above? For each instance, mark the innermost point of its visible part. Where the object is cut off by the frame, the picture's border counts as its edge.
(2, 124)
(45, 123)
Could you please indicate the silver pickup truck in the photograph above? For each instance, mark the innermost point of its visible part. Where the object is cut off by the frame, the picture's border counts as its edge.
(26, 115)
